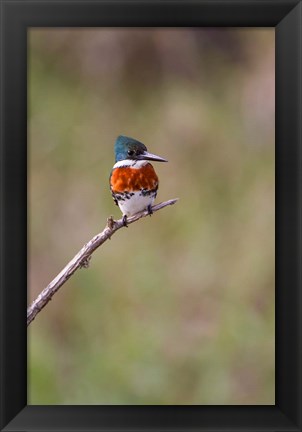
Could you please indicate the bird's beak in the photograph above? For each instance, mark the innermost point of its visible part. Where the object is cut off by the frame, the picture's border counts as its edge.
(149, 156)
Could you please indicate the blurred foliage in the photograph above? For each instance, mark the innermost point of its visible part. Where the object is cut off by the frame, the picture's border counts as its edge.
(179, 307)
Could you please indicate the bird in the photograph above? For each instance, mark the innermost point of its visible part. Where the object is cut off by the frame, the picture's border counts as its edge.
(133, 180)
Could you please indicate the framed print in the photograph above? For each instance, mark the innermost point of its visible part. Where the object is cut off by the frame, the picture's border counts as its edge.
(178, 313)
(189, 319)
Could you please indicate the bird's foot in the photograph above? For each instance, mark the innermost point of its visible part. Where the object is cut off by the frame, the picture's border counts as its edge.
(149, 208)
(125, 221)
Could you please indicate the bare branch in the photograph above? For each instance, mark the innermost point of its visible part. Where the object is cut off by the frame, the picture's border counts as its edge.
(82, 259)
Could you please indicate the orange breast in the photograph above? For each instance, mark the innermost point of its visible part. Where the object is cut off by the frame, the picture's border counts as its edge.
(133, 179)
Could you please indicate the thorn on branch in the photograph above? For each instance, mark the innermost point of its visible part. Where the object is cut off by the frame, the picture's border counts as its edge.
(110, 222)
(85, 262)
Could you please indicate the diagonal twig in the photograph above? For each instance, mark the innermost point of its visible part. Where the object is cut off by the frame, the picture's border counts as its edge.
(82, 258)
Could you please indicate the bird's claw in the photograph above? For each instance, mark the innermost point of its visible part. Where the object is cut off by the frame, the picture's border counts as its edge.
(125, 221)
(150, 211)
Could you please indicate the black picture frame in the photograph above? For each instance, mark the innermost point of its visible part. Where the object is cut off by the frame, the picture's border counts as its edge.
(16, 17)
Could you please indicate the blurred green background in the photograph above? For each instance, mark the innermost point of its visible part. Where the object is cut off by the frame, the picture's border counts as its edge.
(179, 307)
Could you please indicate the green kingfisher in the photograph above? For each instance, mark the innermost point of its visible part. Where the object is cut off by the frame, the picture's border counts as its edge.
(133, 180)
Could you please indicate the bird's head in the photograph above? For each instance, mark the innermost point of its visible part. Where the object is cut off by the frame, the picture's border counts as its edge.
(129, 148)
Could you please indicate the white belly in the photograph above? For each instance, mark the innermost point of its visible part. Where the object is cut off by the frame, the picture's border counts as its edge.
(136, 203)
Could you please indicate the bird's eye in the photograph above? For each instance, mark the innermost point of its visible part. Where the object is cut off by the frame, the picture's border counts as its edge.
(130, 152)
